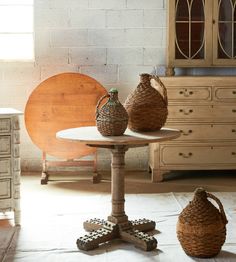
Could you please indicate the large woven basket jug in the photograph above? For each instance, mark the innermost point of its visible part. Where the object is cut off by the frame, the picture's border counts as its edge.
(201, 227)
(111, 118)
(146, 105)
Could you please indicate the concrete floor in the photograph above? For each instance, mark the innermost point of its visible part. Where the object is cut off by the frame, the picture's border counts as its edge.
(53, 215)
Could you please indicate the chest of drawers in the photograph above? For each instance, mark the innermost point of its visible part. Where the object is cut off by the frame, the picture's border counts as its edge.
(204, 109)
(10, 162)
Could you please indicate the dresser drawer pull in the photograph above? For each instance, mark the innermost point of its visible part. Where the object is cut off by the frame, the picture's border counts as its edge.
(233, 153)
(186, 112)
(234, 92)
(186, 155)
(234, 110)
(186, 133)
(186, 93)
(233, 131)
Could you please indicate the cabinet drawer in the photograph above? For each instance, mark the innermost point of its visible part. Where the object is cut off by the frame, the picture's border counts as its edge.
(190, 112)
(5, 145)
(205, 132)
(225, 94)
(225, 113)
(189, 93)
(5, 125)
(200, 155)
(202, 113)
(5, 188)
(5, 167)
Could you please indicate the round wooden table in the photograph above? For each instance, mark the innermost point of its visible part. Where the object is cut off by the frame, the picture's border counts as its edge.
(117, 224)
(62, 101)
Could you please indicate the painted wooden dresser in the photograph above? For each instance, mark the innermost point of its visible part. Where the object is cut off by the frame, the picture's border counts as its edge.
(204, 109)
(10, 162)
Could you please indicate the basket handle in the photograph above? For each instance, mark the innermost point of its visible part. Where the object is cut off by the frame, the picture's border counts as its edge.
(158, 80)
(99, 102)
(220, 206)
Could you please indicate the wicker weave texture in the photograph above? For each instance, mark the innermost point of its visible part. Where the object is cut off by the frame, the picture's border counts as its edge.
(146, 107)
(112, 118)
(201, 228)
(202, 246)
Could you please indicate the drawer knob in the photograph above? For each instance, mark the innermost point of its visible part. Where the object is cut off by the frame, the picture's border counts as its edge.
(233, 153)
(185, 155)
(186, 133)
(186, 93)
(233, 131)
(234, 92)
(234, 110)
(186, 112)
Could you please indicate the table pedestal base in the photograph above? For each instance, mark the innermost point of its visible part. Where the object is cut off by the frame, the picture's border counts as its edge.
(130, 231)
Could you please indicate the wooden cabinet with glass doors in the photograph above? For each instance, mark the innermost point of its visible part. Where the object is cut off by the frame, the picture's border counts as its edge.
(201, 33)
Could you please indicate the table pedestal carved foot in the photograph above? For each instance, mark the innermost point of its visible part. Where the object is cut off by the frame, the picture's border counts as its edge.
(117, 224)
(139, 239)
(129, 231)
(92, 240)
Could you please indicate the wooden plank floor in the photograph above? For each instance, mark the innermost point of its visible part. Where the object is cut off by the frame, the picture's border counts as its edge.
(53, 215)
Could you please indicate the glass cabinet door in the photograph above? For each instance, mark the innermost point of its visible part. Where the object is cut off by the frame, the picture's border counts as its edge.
(189, 29)
(224, 32)
(189, 41)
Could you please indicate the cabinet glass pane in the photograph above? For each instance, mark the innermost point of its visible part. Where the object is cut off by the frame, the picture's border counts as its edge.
(189, 9)
(225, 40)
(234, 14)
(234, 46)
(226, 29)
(182, 10)
(189, 29)
(182, 40)
(197, 10)
(197, 40)
(225, 10)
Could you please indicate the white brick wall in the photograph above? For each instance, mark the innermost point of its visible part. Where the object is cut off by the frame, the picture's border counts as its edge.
(125, 18)
(111, 40)
(68, 37)
(147, 4)
(107, 4)
(90, 18)
(125, 56)
(88, 56)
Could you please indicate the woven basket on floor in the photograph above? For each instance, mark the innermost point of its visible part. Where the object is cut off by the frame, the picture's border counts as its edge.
(112, 118)
(147, 106)
(201, 227)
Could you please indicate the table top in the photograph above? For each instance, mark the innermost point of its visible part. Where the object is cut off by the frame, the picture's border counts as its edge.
(91, 136)
(62, 101)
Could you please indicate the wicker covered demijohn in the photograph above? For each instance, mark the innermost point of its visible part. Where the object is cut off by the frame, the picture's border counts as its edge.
(111, 118)
(146, 105)
(201, 227)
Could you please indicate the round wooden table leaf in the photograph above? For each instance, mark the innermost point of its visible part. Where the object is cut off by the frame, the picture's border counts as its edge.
(62, 101)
